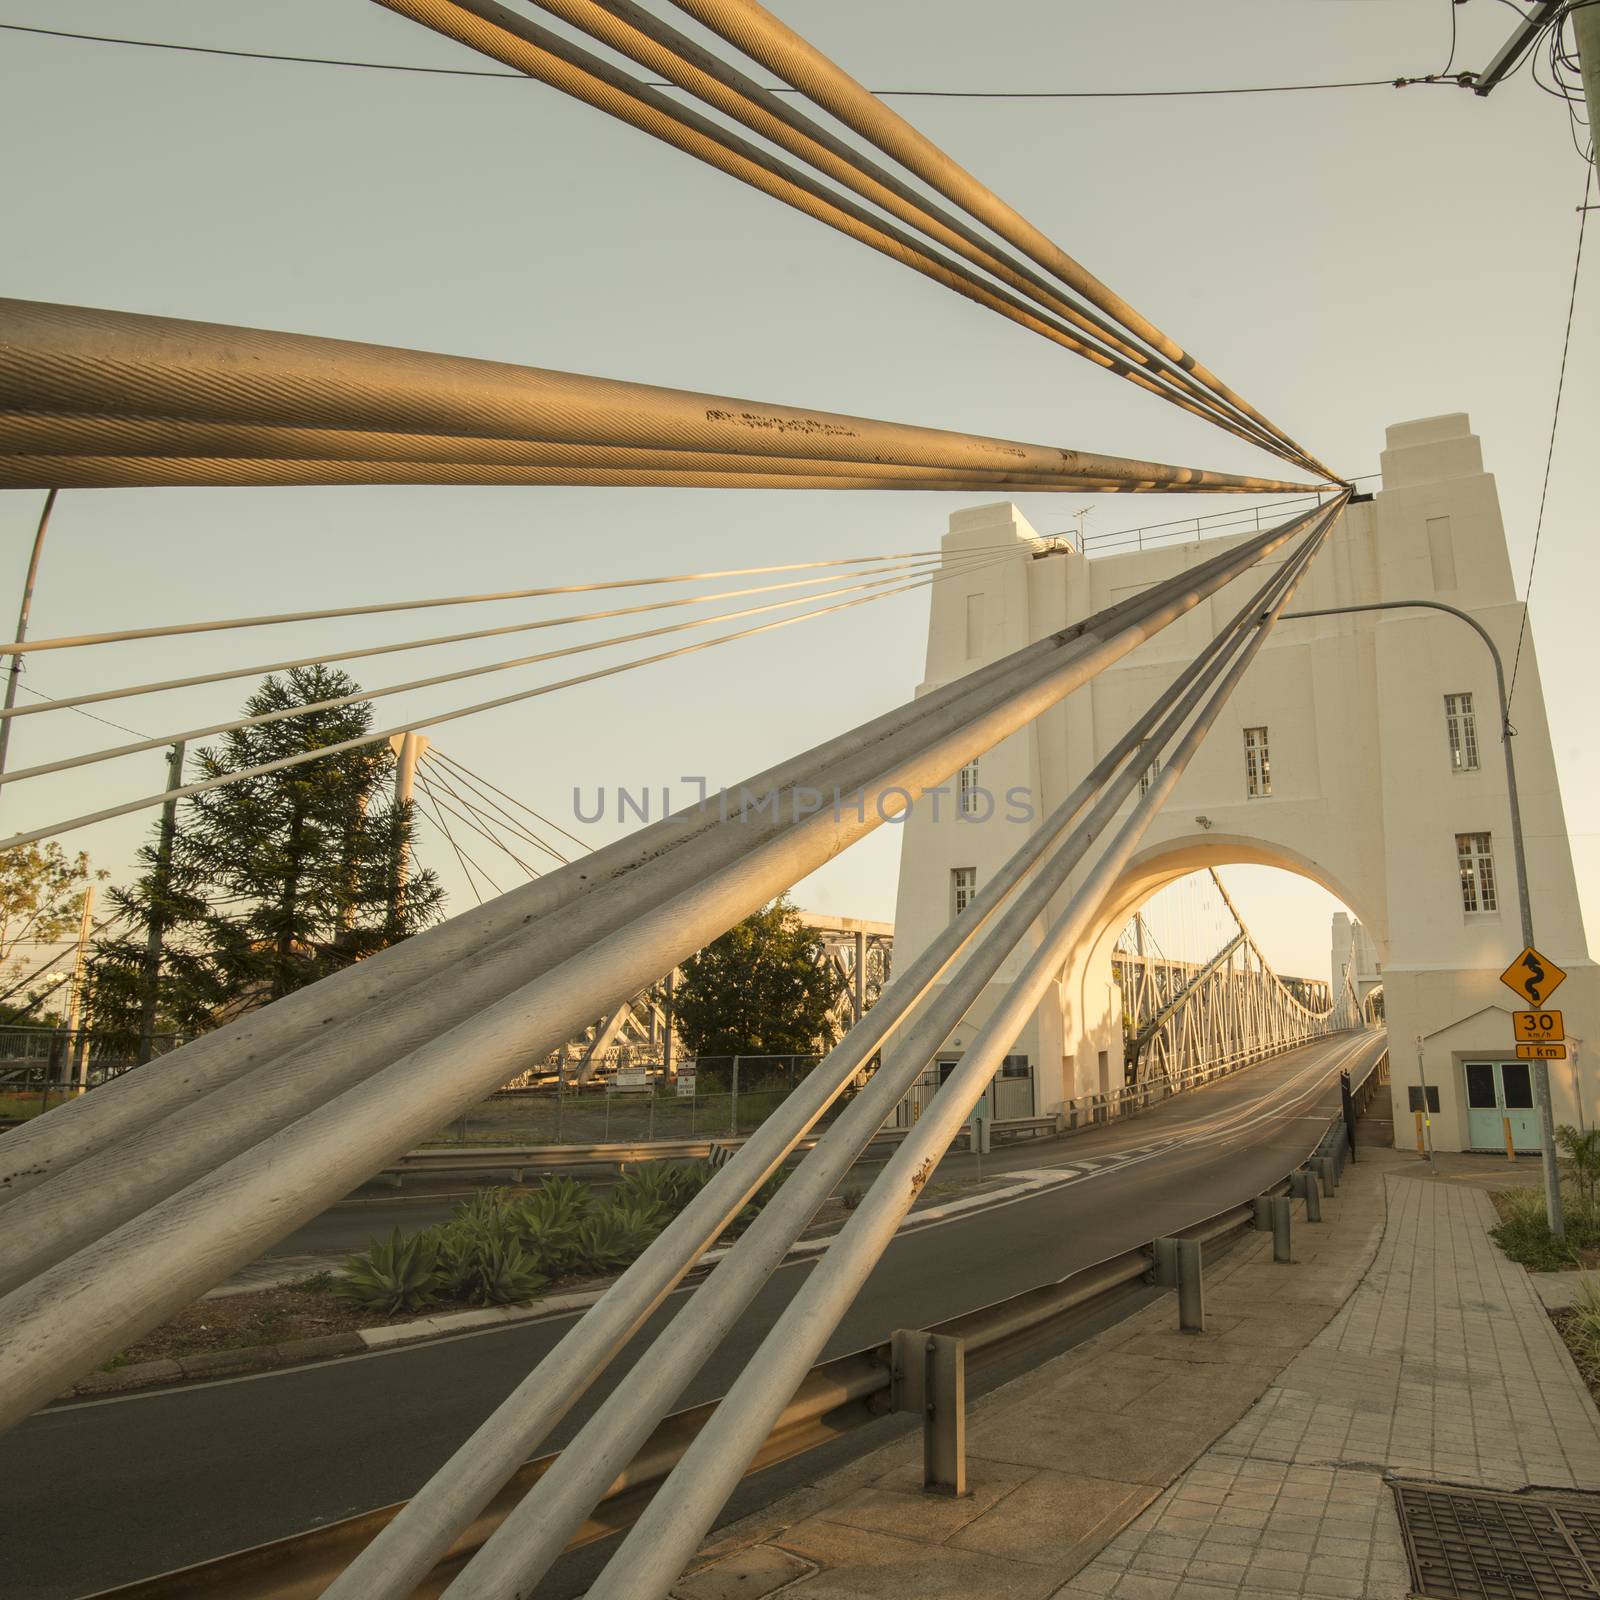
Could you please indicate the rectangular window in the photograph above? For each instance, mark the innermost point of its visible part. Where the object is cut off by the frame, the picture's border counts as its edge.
(967, 789)
(1476, 861)
(1257, 764)
(1462, 728)
(963, 886)
(1015, 1067)
(1148, 776)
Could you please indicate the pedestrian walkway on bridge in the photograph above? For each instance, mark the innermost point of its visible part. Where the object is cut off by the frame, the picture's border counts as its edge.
(1253, 1460)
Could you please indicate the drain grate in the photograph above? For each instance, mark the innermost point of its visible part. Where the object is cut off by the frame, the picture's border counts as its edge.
(1464, 1544)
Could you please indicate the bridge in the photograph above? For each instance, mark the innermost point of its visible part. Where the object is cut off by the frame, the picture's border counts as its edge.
(1100, 723)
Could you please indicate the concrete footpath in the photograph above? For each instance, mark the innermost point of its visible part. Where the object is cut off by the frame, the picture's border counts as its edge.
(1254, 1459)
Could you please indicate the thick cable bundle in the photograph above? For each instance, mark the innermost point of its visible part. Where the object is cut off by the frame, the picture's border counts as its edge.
(109, 399)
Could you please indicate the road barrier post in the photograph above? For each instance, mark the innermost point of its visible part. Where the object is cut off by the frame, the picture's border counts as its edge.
(1324, 1169)
(929, 1378)
(1263, 1218)
(1280, 1228)
(1310, 1191)
(1191, 1293)
(1165, 1272)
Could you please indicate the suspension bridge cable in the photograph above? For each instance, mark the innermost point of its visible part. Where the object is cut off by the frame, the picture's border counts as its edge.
(470, 817)
(656, 46)
(461, 768)
(172, 630)
(1555, 419)
(518, 77)
(261, 669)
(442, 806)
(750, 28)
(88, 398)
(434, 720)
(475, 800)
(873, 587)
(437, 819)
(556, 61)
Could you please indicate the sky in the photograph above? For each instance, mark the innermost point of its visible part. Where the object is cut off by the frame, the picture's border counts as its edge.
(1347, 259)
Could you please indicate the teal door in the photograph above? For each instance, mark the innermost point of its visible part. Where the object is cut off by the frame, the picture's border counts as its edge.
(1497, 1091)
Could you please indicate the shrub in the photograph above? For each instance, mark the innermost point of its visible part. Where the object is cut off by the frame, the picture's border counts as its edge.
(549, 1220)
(851, 1198)
(1582, 1151)
(614, 1236)
(399, 1275)
(482, 1258)
(1524, 1230)
(651, 1187)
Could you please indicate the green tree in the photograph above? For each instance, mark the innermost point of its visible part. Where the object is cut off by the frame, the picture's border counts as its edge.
(41, 903)
(275, 880)
(763, 988)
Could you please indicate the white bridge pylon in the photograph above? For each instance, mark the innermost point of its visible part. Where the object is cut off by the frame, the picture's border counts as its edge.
(1184, 1017)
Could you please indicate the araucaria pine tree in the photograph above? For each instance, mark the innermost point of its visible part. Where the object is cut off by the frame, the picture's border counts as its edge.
(271, 881)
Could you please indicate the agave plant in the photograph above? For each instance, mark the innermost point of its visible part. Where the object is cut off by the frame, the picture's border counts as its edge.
(614, 1236)
(394, 1276)
(652, 1187)
(548, 1221)
(688, 1178)
(482, 1258)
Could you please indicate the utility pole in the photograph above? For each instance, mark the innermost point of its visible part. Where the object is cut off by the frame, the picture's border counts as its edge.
(158, 895)
(75, 998)
(1586, 30)
(409, 749)
(15, 671)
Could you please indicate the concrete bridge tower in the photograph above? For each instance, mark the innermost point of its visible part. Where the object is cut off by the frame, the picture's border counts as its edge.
(1362, 752)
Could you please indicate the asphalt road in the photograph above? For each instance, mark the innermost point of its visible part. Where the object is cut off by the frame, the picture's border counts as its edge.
(97, 1494)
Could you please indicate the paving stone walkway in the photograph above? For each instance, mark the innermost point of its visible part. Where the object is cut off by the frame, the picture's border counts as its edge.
(1442, 1365)
(1252, 1460)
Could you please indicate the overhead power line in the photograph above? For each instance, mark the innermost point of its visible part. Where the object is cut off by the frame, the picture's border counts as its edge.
(904, 94)
(1555, 418)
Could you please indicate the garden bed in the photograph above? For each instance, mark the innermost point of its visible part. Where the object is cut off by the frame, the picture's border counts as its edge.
(1524, 1231)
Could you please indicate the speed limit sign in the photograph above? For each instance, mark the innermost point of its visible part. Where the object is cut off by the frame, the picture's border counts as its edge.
(1538, 1027)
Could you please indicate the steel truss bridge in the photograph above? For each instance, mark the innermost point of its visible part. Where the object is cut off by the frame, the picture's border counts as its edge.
(1185, 1021)
(130, 1202)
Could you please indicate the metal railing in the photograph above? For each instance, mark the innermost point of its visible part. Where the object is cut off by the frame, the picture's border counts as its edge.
(839, 1395)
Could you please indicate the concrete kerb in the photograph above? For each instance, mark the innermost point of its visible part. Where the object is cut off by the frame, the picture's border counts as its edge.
(212, 1364)
(1029, 1450)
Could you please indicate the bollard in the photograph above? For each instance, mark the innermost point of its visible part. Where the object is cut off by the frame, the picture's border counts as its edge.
(1263, 1217)
(1191, 1293)
(1323, 1167)
(1280, 1228)
(1310, 1191)
(929, 1377)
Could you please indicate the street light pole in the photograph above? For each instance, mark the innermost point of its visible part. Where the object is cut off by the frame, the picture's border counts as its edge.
(15, 671)
(1541, 1072)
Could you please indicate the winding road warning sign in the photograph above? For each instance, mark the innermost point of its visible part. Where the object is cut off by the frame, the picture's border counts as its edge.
(1533, 976)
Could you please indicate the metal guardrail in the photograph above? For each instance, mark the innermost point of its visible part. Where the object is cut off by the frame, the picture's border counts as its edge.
(835, 1397)
(515, 1160)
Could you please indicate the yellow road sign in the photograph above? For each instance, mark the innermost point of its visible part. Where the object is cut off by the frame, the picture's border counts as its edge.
(1533, 976)
(1542, 1052)
(1538, 1027)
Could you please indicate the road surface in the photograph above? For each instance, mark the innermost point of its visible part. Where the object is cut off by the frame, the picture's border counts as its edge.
(96, 1494)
